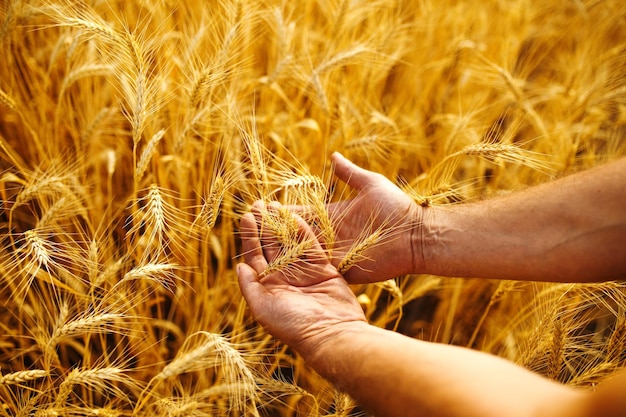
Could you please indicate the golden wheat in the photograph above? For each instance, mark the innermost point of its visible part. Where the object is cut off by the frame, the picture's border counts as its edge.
(134, 135)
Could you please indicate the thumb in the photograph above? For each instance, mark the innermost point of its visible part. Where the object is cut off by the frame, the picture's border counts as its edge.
(350, 173)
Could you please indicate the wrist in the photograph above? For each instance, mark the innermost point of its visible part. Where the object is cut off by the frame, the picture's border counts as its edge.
(423, 239)
(431, 241)
(324, 353)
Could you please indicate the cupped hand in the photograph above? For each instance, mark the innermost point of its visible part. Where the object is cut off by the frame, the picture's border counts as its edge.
(302, 303)
(378, 205)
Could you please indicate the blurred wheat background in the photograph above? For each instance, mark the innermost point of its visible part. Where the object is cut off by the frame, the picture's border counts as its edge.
(133, 134)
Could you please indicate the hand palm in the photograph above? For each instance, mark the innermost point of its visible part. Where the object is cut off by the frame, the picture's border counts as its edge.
(300, 304)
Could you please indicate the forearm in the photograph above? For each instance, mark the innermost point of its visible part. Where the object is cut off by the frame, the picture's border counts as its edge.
(571, 229)
(393, 375)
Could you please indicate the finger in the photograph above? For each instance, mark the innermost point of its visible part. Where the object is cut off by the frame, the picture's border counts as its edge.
(251, 244)
(253, 291)
(350, 173)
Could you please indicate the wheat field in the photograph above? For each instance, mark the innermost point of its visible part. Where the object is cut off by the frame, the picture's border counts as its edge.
(133, 134)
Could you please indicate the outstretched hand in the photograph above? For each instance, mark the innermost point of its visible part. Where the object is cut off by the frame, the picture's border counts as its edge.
(379, 204)
(302, 303)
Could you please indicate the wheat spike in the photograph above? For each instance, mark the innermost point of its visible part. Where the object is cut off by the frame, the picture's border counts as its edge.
(91, 26)
(89, 324)
(37, 248)
(503, 288)
(211, 206)
(85, 71)
(287, 256)
(7, 100)
(161, 273)
(216, 351)
(147, 154)
(99, 379)
(58, 208)
(21, 377)
(616, 345)
(555, 358)
(43, 186)
(281, 224)
(343, 404)
(355, 253)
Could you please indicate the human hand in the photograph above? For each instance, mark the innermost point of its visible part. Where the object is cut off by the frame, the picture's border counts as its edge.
(379, 205)
(303, 302)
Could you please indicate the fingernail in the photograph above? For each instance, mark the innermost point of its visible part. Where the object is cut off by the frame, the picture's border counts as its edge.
(238, 269)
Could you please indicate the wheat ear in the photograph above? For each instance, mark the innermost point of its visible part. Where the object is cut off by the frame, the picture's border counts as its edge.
(147, 154)
(555, 358)
(98, 379)
(7, 100)
(288, 254)
(21, 377)
(355, 253)
(214, 351)
(211, 206)
(616, 346)
(503, 288)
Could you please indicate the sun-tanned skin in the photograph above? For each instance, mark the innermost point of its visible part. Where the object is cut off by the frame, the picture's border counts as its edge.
(570, 229)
